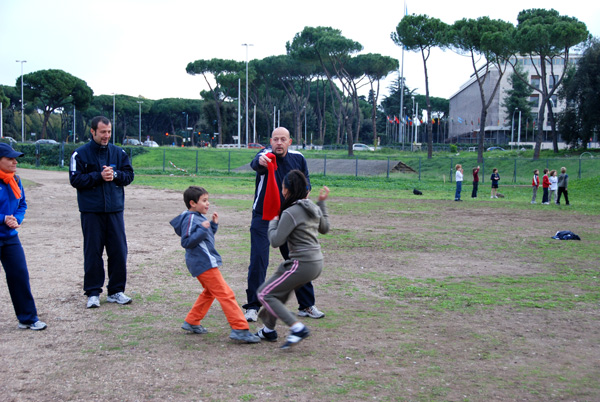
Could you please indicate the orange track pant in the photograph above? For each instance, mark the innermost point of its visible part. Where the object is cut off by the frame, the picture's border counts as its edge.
(215, 287)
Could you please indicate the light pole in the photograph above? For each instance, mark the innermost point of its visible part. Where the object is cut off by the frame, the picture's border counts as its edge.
(140, 120)
(186, 123)
(512, 131)
(247, 44)
(113, 122)
(304, 125)
(519, 132)
(22, 103)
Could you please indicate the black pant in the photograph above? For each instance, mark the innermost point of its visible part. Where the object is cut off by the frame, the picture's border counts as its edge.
(562, 190)
(545, 196)
(475, 186)
(259, 262)
(102, 230)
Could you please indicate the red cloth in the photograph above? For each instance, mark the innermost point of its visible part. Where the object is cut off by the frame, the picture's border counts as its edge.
(272, 201)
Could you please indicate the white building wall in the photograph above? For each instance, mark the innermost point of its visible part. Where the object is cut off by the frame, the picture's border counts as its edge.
(465, 105)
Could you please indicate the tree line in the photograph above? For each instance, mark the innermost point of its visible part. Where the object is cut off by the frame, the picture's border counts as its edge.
(540, 35)
(315, 85)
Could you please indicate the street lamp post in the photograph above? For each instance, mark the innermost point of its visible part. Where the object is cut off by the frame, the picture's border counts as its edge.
(304, 125)
(247, 44)
(519, 131)
(22, 103)
(512, 131)
(140, 120)
(113, 122)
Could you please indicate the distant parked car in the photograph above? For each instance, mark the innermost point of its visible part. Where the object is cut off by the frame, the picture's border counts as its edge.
(46, 141)
(8, 140)
(255, 145)
(495, 149)
(131, 141)
(151, 144)
(362, 147)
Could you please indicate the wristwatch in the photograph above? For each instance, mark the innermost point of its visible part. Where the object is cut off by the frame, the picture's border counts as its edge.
(114, 174)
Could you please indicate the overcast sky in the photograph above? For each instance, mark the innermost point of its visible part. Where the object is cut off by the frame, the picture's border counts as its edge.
(141, 47)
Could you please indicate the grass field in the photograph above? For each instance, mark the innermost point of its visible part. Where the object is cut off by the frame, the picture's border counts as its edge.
(426, 299)
(515, 167)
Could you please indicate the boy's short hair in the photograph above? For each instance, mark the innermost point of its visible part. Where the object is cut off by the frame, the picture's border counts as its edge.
(563, 169)
(193, 193)
(494, 170)
(545, 171)
(535, 171)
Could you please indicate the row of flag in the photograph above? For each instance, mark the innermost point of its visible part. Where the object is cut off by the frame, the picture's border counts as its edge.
(408, 121)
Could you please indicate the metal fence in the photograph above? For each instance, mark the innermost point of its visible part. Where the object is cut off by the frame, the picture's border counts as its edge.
(511, 170)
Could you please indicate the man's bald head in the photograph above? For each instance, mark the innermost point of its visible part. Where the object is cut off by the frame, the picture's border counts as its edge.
(280, 141)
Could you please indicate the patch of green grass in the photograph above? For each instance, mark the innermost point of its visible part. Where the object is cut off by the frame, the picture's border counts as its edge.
(549, 291)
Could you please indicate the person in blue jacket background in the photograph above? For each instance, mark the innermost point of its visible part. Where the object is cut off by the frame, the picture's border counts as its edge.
(12, 212)
(99, 171)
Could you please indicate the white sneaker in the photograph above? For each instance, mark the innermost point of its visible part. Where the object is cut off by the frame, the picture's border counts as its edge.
(251, 315)
(93, 302)
(36, 326)
(118, 297)
(312, 312)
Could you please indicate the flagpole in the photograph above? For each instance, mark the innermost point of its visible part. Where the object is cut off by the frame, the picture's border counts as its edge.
(401, 128)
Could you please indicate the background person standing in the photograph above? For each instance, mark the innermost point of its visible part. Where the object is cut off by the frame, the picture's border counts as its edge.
(475, 182)
(100, 171)
(563, 183)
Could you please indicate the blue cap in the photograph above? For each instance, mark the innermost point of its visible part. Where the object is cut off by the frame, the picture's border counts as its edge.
(7, 151)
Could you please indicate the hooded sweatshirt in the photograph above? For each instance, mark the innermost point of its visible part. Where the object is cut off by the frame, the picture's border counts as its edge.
(198, 241)
(299, 226)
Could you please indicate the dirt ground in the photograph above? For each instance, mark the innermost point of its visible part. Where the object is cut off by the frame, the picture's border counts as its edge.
(370, 346)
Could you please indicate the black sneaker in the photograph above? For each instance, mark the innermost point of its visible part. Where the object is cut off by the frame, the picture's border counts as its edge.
(267, 336)
(295, 337)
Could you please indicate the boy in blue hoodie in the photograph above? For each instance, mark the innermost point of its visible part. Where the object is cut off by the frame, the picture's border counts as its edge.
(203, 261)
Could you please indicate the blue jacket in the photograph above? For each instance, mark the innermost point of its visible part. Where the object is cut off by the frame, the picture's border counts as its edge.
(93, 193)
(292, 160)
(9, 205)
(198, 241)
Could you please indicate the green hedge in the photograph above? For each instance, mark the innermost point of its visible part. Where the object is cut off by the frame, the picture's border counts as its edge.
(59, 154)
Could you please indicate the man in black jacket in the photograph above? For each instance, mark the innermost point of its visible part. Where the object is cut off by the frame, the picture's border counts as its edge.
(100, 171)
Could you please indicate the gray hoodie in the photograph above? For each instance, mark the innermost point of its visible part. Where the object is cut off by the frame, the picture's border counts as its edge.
(198, 241)
(299, 226)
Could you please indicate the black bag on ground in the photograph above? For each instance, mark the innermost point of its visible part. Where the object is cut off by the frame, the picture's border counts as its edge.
(565, 235)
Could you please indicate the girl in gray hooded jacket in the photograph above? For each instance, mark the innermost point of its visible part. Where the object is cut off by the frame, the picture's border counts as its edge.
(298, 224)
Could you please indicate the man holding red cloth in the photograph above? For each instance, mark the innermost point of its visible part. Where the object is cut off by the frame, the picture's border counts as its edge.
(262, 211)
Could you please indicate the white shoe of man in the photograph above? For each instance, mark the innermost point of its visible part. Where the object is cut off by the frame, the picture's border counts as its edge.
(312, 312)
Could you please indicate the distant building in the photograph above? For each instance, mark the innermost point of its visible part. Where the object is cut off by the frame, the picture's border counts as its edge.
(465, 106)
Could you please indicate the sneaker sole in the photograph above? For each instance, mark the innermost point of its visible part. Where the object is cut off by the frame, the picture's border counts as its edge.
(115, 301)
(303, 314)
(262, 338)
(23, 326)
(245, 340)
(289, 344)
